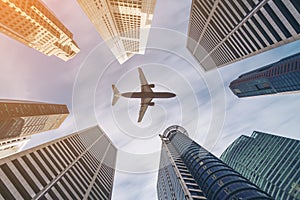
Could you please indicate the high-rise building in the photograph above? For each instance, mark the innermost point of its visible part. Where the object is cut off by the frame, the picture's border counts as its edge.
(222, 32)
(279, 77)
(271, 162)
(33, 24)
(123, 24)
(79, 166)
(11, 146)
(188, 171)
(23, 118)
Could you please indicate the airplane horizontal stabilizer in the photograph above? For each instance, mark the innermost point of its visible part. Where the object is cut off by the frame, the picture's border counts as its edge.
(116, 95)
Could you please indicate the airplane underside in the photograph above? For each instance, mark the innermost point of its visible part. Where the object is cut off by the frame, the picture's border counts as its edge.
(148, 95)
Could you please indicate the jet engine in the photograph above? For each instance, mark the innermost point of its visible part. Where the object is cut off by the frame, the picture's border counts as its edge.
(151, 104)
(151, 85)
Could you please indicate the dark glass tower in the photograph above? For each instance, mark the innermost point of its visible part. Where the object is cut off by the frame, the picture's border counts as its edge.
(188, 171)
(271, 162)
(279, 77)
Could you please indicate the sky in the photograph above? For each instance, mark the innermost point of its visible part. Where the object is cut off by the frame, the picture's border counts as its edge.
(204, 105)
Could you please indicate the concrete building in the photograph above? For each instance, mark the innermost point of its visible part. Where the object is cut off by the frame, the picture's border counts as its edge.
(271, 162)
(280, 77)
(11, 146)
(24, 118)
(78, 166)
(33, 24)
(188, 171)
(222, 32)
(123, 24)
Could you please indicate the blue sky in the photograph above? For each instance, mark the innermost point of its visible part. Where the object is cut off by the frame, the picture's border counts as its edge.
(205, 106)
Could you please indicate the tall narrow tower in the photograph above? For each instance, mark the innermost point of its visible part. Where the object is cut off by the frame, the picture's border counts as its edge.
(123, 24)
(225, 31)
(79, 166)
(33, 24)
(188, 171)
(271, 162)
(23, 118)
(280, 77)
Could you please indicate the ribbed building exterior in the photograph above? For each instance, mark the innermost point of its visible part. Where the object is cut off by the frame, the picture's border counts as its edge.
(188, 171)
(280, 77)
(271, 162)
(11, 146)
(222, 32)
(123, 24)
(24, 118)
(33, 24)
(79, 166)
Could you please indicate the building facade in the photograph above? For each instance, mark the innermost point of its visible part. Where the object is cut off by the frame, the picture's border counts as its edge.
(33, 24)
(222, 32)
(123, 24)
(271, 162)
(188, 171)
(11, 146)
(79, 166)
(24, 118)
(282, 76)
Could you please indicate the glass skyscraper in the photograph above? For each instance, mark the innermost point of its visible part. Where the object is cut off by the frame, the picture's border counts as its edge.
(188, 171)
(271, 162)
(78, 166)
(279, 77)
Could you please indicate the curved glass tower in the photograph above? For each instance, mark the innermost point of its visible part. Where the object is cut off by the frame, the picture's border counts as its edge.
(188, 171)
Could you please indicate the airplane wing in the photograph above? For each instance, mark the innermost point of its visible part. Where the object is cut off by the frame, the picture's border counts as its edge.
(143, 108)
(144, 84)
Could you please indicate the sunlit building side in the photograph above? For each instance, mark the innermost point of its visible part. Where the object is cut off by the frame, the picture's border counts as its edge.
(78, 166)
(223, 32)
(188, 171)
(280, 77)
(123, 24)
(11, 146)
(33, 24)
(271, 162)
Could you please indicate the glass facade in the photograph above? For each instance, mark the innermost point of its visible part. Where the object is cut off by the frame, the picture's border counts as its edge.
(187, 169)
(282, 76)
(271, 162)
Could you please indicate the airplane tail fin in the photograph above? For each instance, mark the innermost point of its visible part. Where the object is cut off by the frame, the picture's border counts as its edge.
(116, 95)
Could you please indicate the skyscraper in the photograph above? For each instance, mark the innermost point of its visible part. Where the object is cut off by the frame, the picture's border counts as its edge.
(79, 166)
(33, 24)
(271, 162)
(279, 77)
(11, 146)
(123, 24)
(188, 171)
(223, 32)
(23, 118)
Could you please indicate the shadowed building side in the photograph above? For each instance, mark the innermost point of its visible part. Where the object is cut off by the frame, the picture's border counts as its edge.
(78, 166)
(23, 118)
(223, 32)
(188, 171)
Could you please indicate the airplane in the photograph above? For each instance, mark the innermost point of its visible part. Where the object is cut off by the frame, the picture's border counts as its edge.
(146, 95)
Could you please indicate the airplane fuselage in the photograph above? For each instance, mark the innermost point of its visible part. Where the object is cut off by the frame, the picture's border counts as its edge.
(148, 94)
